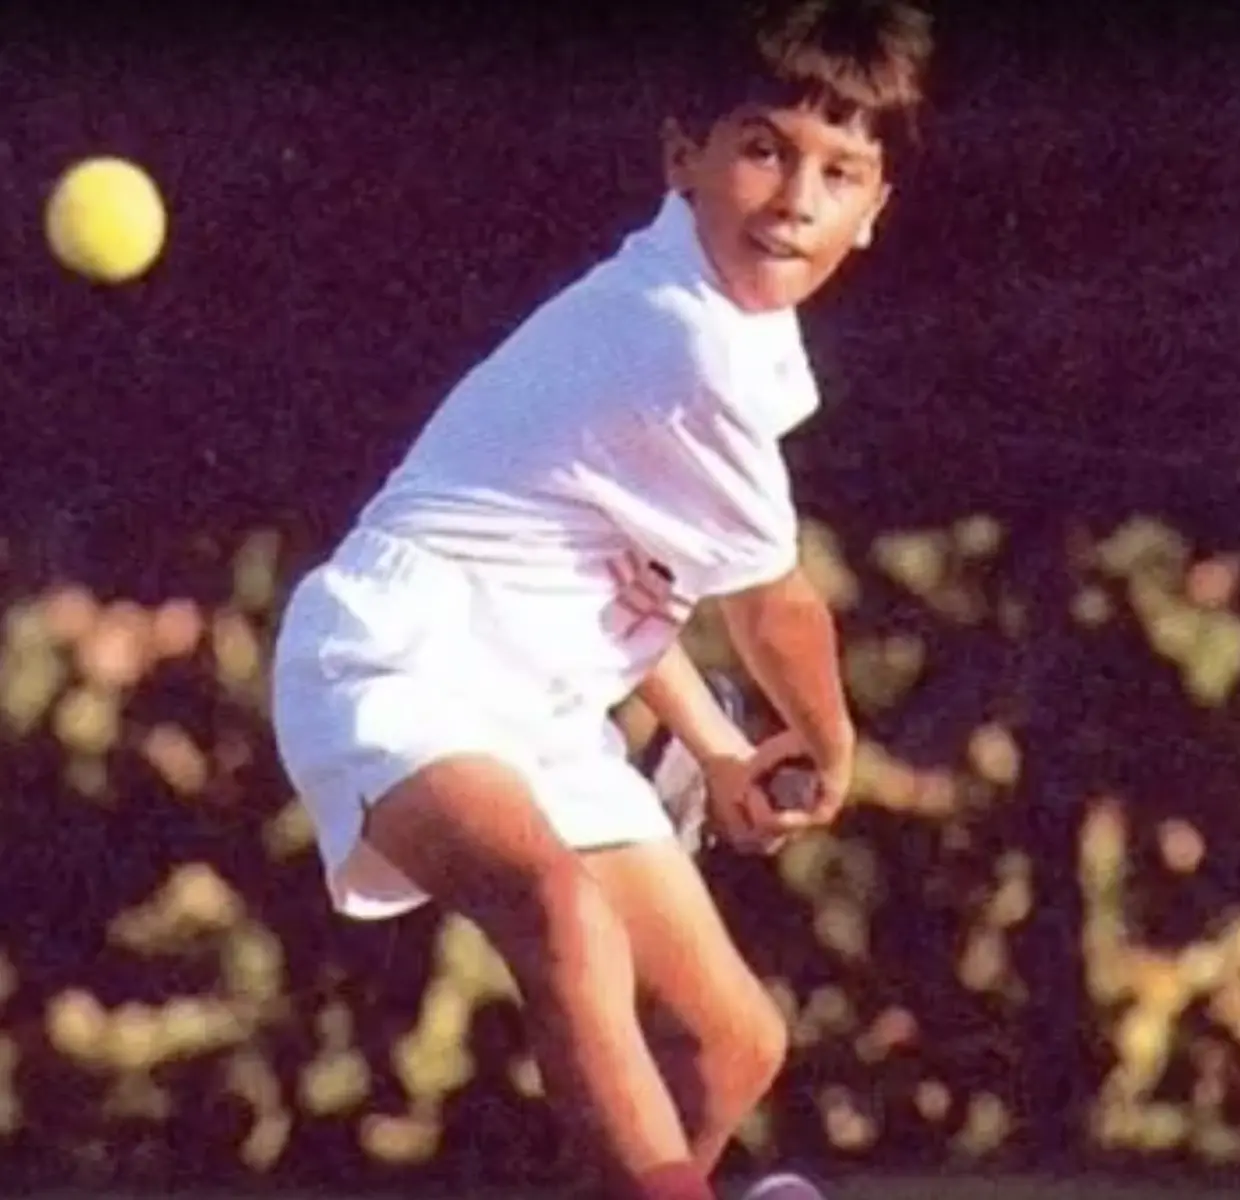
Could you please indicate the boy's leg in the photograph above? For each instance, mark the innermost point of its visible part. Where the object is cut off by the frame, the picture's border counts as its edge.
(730, 1038)
(468, 831)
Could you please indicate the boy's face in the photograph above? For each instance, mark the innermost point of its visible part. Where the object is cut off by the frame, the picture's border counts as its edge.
(781, 197)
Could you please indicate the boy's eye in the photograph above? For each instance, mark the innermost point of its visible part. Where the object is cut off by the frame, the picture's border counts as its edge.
(853, 172)
(762, 151)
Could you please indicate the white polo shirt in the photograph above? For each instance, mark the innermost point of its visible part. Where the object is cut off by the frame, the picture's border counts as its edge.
(615, 460)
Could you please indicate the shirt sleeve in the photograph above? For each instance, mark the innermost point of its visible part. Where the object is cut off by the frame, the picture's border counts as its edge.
(694, 475)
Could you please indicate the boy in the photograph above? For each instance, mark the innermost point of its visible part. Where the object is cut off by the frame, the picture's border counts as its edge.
(442, 684)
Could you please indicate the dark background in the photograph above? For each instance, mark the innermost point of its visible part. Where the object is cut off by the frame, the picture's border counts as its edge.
(362, 203)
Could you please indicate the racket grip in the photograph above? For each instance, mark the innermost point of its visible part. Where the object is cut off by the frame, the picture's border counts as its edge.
(791, 785)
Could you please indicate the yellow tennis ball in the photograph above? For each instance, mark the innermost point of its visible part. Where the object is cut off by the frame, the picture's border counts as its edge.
(105, 220)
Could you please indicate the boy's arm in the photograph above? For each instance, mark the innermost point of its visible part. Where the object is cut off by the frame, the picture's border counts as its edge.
(681, 700)
(785, 635)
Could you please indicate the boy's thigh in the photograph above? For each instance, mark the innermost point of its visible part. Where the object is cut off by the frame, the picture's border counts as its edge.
(471, 832)
(469, 829)
(685, 959)
(475, 835)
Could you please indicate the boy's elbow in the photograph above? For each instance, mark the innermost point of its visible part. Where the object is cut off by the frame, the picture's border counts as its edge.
(760, 614)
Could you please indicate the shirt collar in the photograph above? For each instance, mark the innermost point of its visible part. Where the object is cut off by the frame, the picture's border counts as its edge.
(672, 235)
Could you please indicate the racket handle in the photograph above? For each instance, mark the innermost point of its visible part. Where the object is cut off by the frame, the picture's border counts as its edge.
(791, 785)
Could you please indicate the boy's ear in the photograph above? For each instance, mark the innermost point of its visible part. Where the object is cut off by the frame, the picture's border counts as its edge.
(865, 235)
(679, 155)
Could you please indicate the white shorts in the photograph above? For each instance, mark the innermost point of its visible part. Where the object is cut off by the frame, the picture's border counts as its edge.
(385, 663)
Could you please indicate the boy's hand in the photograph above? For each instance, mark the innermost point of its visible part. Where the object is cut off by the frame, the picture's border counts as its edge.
(747, 816)
(736, 805)
(822, 792)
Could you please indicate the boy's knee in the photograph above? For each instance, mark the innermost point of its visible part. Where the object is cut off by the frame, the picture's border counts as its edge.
(755, 1046)
(767, 1034)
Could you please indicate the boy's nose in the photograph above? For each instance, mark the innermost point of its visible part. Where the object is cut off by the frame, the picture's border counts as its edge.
(796, 200)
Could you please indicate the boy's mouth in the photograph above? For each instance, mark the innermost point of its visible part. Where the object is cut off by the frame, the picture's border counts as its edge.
(774, 248)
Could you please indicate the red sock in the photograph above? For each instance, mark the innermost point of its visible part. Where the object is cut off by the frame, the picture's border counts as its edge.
(675, 1181)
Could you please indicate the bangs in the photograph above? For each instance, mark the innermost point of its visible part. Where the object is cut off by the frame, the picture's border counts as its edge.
(853, 61)
(879, 94)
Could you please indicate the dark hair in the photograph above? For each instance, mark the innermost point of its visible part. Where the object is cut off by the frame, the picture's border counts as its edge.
(850, 59)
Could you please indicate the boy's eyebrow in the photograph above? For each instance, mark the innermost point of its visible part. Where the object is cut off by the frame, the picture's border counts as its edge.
(860, 153)
(764, 122)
